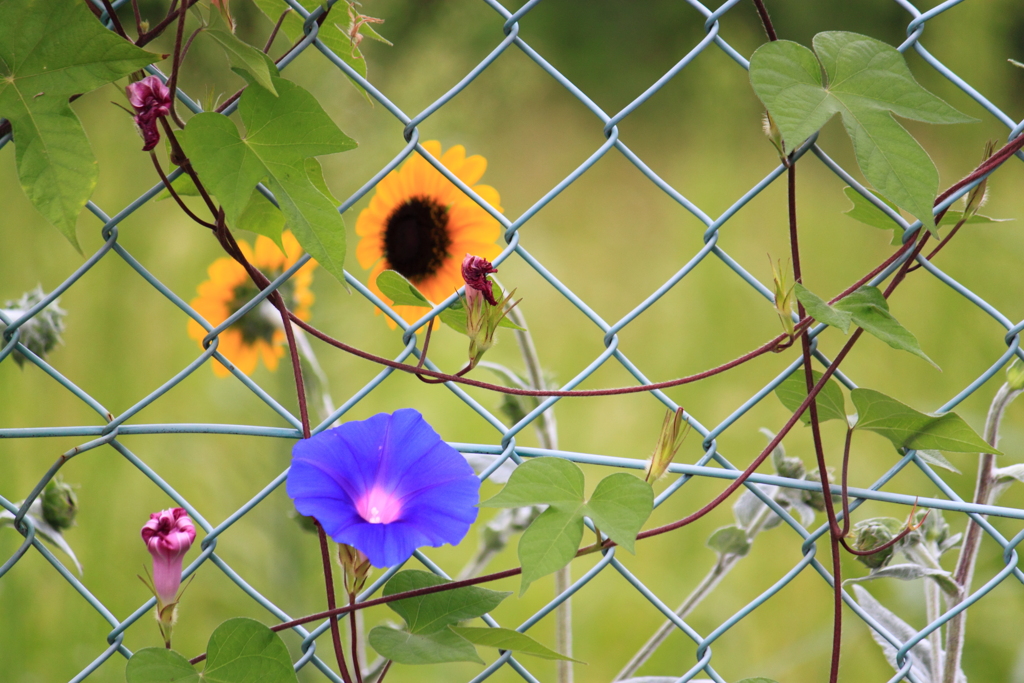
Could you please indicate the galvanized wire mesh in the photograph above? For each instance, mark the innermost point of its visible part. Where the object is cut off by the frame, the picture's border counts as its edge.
(516, 235)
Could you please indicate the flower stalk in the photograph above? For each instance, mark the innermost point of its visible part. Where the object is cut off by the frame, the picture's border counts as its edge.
(964, 573)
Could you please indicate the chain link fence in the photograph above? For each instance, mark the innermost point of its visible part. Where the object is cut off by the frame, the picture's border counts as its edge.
(713, 464)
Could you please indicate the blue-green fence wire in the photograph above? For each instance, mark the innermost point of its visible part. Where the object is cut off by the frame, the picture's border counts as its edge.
(712, 464)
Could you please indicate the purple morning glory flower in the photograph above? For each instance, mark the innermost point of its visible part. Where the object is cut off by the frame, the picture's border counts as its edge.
(386, 486)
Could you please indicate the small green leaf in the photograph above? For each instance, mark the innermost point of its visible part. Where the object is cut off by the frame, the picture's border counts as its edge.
(908, 428)
(241, 646)
(542, 481)
(414, 648)
(620, 505)
(869, 214)
(730, 540)
(432, 612)
(507, 639)
(159, 665)
(866, 81)
(282, 132)
(550, 542)
(821, 311)
(830, 401)
(870, 311)
(50, 50)
(241, 55)
(399, 290)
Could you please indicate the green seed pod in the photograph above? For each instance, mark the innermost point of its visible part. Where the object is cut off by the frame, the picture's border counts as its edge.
(872, 533)
(60, 504)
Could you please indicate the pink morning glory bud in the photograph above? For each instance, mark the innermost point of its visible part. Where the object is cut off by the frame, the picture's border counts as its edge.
(168, 535)
(475, 270)
(151, 99)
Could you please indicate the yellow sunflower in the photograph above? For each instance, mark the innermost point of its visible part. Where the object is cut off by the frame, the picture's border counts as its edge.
(421, 225)
(258, 333)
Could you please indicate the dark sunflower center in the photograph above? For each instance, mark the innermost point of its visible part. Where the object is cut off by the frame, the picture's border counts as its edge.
(255, 324)
(416, 238)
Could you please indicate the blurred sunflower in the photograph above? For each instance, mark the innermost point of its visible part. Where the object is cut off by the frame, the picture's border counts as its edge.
(421, 225)
(258, 333)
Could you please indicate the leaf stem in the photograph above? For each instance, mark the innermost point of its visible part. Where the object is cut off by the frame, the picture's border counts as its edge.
(277, 27)
(172, 82)
(174, 194)
(964, 572)
(354, 632)
(766, 20)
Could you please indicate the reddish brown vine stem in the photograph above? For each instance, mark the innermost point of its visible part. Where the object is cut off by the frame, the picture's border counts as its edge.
(339, 650)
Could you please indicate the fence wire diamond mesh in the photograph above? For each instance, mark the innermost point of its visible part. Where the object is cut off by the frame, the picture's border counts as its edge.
(516, 235)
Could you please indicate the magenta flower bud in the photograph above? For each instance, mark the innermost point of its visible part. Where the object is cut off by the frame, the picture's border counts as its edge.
(475, 270)
(168, 535)
(151, 99)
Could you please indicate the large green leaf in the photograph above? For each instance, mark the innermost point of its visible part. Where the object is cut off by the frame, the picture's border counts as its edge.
(240, 650)
(432, 612)
(243, 649)
(159, 665)
(416, 648)
(908, 428)
(507, 639)
(50, 50)
(281, 133)
(542, 481)
(549, 543)
(619, 506)
(241, 55)
(866, 81)
(830, 402)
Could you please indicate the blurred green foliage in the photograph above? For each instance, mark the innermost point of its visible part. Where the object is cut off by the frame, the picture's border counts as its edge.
(612, 237)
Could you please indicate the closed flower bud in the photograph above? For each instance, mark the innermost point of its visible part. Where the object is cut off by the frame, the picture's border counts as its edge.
(816, 499)
(673, 431)
(355, 568)
(41, 333)
(60, 504)
(483, 311)
(1015, 374)
(774, 136)
(783, 297)
(977, 197)
(872, 533)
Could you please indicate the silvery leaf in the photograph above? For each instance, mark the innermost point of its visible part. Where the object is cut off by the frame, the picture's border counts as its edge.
(43, 529)
(481, 461)
(748, 505)
(920, 654)
(910, 572)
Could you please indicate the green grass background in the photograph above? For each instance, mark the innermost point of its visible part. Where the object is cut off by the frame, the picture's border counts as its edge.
(612, 238)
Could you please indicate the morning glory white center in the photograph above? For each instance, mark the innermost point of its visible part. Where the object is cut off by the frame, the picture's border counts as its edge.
(379, 507)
